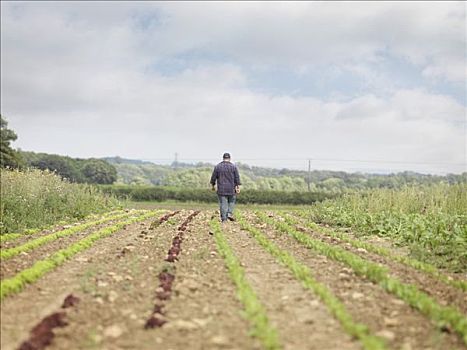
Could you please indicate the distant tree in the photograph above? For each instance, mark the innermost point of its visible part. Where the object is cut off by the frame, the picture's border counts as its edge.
(139, 181)
(99, 171)
(8, 156)
(66, 167)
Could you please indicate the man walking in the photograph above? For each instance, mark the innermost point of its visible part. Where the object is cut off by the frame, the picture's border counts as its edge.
(228, 185)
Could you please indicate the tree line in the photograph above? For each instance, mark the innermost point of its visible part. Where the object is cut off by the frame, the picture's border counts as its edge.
(93, 171)
(131, 172)
(196, 176)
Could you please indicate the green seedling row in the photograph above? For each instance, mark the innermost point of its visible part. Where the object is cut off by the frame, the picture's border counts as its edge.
(28, 246)
(305, 276)
(9, 237)
(12, 236)
(416, 264)
(444, 316)
(30, 275)
(255, 312)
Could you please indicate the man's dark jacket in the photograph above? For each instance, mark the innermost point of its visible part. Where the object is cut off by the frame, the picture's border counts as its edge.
(227, 177)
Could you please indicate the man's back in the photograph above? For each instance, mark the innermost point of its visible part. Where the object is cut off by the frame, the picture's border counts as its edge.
(227, 177)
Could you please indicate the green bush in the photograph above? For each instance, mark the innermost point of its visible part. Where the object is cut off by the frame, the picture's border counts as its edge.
(36, 198)
(91, 171)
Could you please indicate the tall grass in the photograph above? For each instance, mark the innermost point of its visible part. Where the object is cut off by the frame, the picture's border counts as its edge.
(430, 220)
(427, 199)
(35, 198)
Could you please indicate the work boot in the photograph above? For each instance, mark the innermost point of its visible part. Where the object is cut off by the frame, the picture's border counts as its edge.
(231, 218)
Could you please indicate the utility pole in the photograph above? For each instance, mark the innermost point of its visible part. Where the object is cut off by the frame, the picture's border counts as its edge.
(176, 160)
(309, 174)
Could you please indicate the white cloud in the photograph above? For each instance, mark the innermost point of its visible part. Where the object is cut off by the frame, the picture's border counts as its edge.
(81, 80)
(431, 35)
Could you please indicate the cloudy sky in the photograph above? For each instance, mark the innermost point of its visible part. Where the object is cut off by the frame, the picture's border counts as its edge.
(355, 86)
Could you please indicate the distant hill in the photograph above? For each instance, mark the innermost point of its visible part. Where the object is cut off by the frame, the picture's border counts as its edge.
(138, 172)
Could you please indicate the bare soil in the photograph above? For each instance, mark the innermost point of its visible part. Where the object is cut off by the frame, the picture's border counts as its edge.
(162, 284)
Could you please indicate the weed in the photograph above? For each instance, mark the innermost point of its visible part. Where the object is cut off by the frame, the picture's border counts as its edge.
(430, 220)
(35, 198)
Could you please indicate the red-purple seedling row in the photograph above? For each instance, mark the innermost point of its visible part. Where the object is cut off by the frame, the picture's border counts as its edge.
(165, 289)
(166, 279)
(175, 250)
(42, 334)
(168, 216)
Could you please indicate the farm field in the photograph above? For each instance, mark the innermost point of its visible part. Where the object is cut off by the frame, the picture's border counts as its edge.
(175, 278)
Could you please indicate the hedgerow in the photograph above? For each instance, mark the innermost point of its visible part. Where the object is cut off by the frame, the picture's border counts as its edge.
(248, 196)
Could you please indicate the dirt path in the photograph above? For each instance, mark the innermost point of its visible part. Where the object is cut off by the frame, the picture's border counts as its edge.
(385, 314)
(302, 320)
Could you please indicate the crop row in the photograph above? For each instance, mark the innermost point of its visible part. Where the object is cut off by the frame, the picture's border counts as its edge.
(35, 243)
(175, 249)
(305, 276)
(254, 310)
(12, 236)
(9, 237)
(416, 264)
(16, 283)
(167, 275)
(445, 316)
(162, 219)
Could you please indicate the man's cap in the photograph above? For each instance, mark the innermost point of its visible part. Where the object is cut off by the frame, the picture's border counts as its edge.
(226, 155)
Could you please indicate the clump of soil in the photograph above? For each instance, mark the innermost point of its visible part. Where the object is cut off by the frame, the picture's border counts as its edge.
(154, 322)
(70, 301)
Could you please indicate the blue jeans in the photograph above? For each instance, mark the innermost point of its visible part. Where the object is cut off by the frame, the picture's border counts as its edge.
(227, 204)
